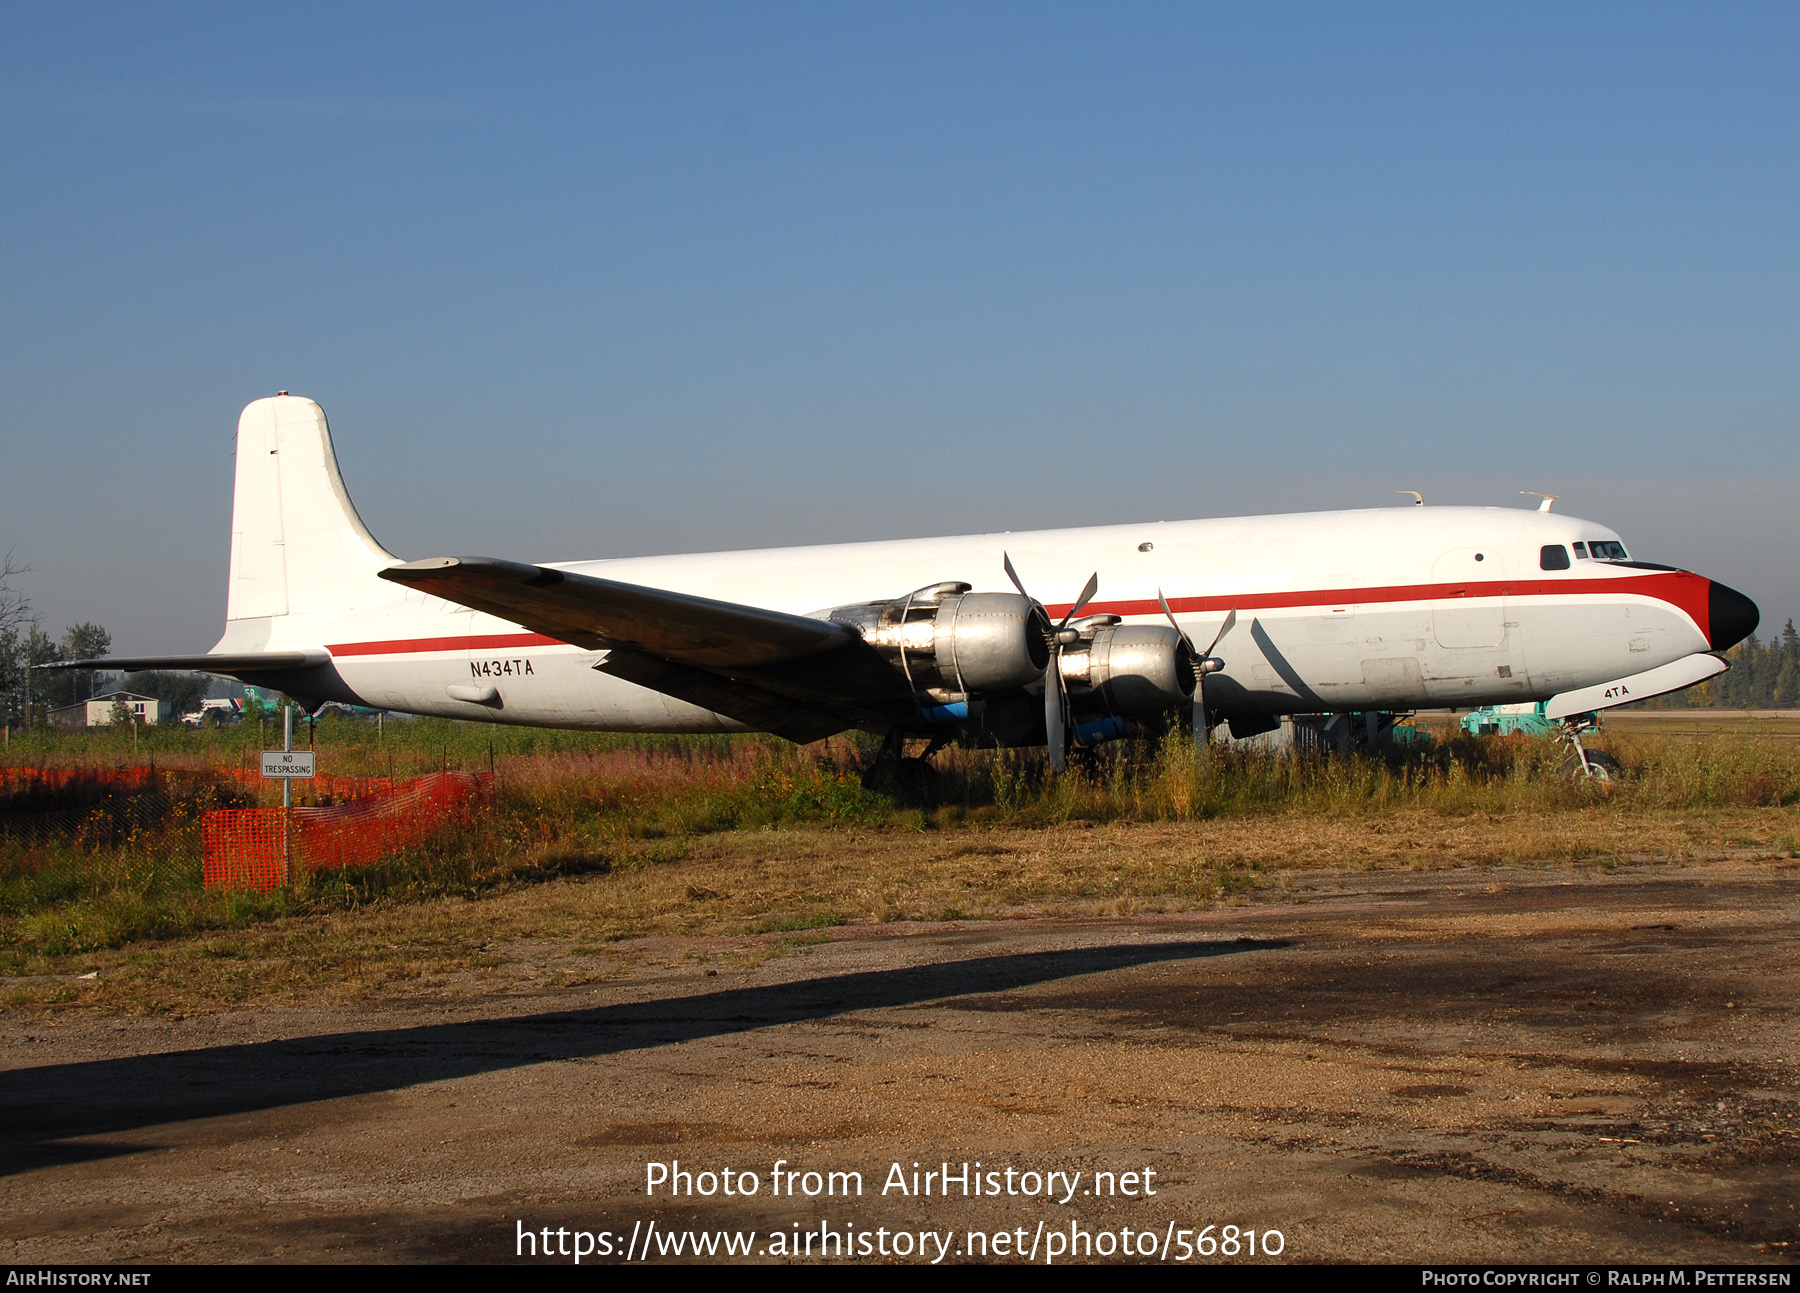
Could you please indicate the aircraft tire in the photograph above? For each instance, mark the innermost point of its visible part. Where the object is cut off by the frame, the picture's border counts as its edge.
(1603, 767)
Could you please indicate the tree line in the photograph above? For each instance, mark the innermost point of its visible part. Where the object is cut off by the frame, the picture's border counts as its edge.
(1763, 675)
(28, 696)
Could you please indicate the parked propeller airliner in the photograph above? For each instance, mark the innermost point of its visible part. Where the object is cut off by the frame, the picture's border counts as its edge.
(1386, 609)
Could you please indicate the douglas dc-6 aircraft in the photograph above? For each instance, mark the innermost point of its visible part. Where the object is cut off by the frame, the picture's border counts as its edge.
(1325, 612)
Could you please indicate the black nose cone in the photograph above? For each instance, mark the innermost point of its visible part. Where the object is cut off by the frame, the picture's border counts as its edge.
(1732, 616)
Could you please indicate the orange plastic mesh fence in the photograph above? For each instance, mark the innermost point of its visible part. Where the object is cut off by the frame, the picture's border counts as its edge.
(241, 848)
(251, 847)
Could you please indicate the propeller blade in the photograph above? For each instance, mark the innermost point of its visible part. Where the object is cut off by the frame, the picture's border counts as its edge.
(1087, 595)
(1056, 730)
(1201, 727)
(1056, 726)
(1226, 627)
(1230, 620)
(1013, 575)
(1038, 614)
(1170, 615)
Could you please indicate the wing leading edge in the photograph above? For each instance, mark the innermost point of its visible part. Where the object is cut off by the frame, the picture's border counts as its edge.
(800, 678)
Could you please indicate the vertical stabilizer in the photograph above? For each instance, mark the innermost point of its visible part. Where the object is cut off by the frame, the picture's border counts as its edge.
(297, 545)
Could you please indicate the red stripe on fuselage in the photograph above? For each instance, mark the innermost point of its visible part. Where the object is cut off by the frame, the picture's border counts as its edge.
(407, 646)
(1685, 592)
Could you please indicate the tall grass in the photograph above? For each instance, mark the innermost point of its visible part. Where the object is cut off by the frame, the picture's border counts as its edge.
(1169, 781)
(576, 802)
(346, 747)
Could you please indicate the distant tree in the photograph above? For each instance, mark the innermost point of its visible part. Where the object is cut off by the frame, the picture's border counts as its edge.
(183, 691)
(1763, 675)
(1740, 683)
(15, 618)
(15, 611)
(12, 677)
(1787, 685)
(121, 713)
(1787, 674)
(46, 690)
(83, 642)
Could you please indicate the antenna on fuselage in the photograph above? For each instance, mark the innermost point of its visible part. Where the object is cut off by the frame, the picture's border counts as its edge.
(1417, 498)
(1548, 498)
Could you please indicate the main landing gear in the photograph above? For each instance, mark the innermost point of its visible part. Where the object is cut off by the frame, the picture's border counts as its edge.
(909, 781)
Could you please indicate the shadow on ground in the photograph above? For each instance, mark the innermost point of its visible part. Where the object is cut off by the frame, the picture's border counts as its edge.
(44, 1106)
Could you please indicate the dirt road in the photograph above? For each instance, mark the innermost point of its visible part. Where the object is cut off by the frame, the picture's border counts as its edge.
(1563, 1065)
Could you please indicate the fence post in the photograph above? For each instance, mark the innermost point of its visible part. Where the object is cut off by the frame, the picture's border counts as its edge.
(287, 797)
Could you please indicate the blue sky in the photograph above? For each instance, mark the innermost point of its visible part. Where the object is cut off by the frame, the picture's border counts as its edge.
(603, 280)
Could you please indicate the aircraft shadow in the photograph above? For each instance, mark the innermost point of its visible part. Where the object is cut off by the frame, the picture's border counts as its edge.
(40, 1107)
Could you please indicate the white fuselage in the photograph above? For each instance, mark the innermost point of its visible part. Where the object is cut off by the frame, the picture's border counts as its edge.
(1392, 608)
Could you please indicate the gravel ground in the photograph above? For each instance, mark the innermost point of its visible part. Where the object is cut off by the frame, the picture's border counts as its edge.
(1470, 1065)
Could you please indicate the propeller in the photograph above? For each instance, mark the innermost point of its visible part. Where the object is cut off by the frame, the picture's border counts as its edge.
(1056, 700)
(1204, 663)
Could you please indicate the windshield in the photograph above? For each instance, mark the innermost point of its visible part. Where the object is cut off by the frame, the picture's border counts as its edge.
(1607, 550)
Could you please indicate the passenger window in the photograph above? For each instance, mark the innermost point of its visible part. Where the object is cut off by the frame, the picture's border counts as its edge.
(1553, 556)
(1581, 552)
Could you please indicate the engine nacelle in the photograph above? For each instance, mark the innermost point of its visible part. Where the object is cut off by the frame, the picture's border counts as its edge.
(949, 642)
(1134, 670)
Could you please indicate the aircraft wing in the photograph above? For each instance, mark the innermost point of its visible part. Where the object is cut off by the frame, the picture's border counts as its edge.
(801, 678)
(602, 613)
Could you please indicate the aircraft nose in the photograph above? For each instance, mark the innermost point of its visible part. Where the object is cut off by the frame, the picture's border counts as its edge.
(1731, 616)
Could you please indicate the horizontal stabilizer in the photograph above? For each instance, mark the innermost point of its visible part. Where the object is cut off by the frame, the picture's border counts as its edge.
(231, 665)
(601, 614)
(1684, 672)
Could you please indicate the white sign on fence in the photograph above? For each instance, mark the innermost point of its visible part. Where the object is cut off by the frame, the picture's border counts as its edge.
(287, 763)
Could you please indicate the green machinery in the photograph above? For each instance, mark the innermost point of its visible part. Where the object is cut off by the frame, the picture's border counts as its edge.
(1510, 720)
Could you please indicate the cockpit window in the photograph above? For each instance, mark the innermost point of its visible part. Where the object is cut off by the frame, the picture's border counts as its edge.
(1607, 550)
(1581, 551)
(1553, 556)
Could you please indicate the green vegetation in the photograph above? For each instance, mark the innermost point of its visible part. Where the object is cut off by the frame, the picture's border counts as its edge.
(570, 803)
(24, 643)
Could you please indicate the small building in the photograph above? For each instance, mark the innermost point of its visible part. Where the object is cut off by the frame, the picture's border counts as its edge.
(98, 710)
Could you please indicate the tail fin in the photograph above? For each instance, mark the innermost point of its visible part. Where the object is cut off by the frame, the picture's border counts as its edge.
(297, 545)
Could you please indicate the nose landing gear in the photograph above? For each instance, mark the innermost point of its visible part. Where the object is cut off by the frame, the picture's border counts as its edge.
(1595, 765)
